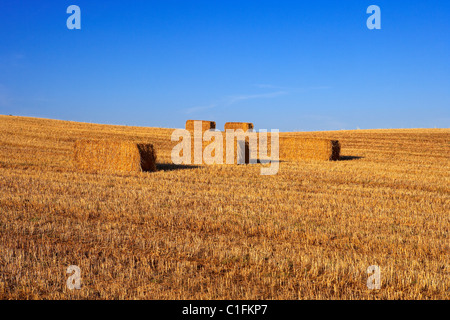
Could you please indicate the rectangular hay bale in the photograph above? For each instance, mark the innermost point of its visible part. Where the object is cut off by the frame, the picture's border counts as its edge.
(239, 125)
(114, 156)
(206, 125)
(296, 148)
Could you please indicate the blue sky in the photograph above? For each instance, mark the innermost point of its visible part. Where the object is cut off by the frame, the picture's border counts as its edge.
(288, 65)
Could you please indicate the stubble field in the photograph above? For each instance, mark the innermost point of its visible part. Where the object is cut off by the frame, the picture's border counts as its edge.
(224, 232)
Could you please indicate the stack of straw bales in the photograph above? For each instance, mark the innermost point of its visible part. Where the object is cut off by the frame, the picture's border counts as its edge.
(205, 126)
(296, 148)
(239, 125)
(211, 125)
(244, 126)
(114, 156)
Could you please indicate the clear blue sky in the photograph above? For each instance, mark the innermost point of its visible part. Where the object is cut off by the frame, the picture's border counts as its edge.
(290, 65)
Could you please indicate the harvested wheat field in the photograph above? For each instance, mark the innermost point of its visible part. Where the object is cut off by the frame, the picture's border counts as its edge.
(224, 232)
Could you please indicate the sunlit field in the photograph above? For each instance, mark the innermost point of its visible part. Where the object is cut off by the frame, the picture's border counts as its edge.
(224, 232)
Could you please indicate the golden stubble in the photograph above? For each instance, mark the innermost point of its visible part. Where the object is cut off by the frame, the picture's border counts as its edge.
(224, 232)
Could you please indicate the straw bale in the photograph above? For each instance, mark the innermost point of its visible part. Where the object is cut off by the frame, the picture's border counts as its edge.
(239, 125)
(206, 125)
(296, 148)
(114, 156)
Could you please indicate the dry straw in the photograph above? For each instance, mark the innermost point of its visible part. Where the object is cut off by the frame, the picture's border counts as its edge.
(295, 148)
(239, 125)
(114, 156)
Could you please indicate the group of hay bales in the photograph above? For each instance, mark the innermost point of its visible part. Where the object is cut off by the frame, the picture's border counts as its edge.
(290, 148)
(211, 125)
(126, 156)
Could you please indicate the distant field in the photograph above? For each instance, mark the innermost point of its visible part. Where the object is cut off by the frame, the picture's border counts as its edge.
(224, 232)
